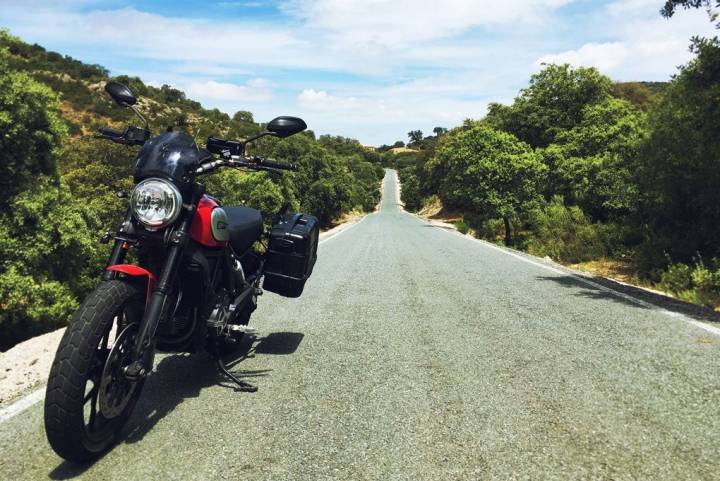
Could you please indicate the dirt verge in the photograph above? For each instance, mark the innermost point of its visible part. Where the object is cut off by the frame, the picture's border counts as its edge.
(27, 365)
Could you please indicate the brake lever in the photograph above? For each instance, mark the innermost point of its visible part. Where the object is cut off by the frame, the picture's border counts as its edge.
(117, 140)
(269, 170)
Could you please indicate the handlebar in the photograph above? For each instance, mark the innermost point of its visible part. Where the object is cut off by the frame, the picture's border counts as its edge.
(252, 163)
(275, 165)
(129, 136)
(108, 132)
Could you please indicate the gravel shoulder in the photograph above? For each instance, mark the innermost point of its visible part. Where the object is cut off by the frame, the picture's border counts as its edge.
(26, 366)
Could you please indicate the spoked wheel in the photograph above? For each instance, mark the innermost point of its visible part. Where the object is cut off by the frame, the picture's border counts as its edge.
(88, 398)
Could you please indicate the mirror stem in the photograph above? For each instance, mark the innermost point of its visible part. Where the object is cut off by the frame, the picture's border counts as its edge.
(139, 115)
(259, 136)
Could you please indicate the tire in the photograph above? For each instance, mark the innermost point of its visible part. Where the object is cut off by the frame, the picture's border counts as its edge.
(80, 364)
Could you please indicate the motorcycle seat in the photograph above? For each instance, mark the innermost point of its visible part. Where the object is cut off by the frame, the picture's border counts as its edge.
(245, 226)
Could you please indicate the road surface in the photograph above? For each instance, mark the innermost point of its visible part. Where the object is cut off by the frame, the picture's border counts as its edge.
(418, 354)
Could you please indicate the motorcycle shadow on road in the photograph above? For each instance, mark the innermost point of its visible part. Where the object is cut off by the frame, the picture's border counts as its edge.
(180, 377)
(177, 377)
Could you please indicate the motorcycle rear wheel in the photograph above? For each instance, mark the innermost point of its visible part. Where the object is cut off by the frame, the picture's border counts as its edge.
(75, 424)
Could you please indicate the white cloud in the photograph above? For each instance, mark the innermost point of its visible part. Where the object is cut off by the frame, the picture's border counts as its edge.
(604, 56)
(357, 25)
(320, 100)
(132, 33)
(256, 90)
(646, 46)
(633, 7)
(386, 113)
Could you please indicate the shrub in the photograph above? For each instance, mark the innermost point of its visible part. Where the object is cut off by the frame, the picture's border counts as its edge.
(489, 229)
(462, 227)
(565, 233)
(699, 283)
(676, 279)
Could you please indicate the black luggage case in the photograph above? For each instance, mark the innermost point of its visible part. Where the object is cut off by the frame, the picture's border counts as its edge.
(291, 254)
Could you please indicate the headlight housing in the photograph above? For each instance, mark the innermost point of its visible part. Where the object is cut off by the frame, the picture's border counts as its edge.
(156, 203)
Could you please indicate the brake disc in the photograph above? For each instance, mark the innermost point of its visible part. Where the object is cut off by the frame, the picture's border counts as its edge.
(115, 389)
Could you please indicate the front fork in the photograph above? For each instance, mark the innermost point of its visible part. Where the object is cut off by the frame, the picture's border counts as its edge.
(144, 346)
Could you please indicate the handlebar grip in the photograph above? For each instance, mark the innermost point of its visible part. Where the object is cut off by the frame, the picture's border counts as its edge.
(278, 165)
(109, 132)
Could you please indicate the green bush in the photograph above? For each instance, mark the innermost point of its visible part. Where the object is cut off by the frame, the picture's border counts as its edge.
(699, 283)
(462, 227)
(564, 233)
(677, 278)
(489, 229)
(410, 190)
(32, 305)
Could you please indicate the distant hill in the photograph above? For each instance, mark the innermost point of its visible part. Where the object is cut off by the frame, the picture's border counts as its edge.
(86, 107)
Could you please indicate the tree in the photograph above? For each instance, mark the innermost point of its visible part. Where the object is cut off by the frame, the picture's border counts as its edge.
(671, 6)
(592, 164)
(680, 163)
(415, 136)
(243, 116)
(171, 95)
(553, 102)
(438, 131)
(637, 93)
(488, 172)
(31, 131)
(325, 199)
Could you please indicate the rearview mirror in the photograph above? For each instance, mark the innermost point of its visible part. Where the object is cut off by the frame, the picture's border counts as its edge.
(120, 93)
(286, 126)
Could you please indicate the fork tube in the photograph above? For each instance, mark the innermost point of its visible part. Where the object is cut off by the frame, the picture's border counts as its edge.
(163, 287)
(118, 252)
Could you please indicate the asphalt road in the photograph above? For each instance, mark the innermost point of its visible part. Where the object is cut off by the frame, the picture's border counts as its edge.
(418, 354)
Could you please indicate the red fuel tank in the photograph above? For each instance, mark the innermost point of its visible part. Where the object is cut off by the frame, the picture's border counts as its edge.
(210, 226)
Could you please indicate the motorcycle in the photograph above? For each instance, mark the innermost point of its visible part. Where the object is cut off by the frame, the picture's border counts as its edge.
(199, 270)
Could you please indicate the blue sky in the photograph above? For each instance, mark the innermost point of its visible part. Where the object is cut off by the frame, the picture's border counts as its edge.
(369, 69)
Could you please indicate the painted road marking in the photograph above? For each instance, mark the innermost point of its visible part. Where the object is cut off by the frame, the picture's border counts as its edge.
(640, 302)
(345, 230)
(21, 405)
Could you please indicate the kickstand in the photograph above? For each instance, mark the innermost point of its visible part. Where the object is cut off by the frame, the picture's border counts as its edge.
(243, 386)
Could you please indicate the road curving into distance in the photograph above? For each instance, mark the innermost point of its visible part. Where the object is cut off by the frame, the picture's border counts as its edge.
(418, 354)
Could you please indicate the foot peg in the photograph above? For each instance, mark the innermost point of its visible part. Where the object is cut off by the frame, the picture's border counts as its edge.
(241, 329)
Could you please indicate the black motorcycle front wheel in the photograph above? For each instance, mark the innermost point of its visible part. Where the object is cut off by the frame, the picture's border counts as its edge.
(88, 399)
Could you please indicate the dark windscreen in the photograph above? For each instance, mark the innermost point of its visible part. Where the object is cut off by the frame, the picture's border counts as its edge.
(170, 154)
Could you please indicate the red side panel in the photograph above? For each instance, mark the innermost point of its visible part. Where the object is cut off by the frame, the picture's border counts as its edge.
(132, 270)
(201, 229)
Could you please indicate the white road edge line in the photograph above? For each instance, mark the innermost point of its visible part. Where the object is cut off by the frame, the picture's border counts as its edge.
(22, 404)
(345, 230)
(627, 297)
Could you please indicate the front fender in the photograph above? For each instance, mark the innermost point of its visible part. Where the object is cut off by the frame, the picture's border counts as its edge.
(136, 271)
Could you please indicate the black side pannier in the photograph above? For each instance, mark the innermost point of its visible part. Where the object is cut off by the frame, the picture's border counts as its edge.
(291, 254)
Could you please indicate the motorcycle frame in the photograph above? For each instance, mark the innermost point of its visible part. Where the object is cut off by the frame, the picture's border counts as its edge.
(159, 291)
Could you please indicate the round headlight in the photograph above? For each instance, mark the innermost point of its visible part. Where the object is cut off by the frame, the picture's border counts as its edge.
(156, 203)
